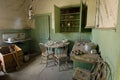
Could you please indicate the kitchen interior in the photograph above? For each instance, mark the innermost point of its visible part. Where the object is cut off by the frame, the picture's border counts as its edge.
(87, 31)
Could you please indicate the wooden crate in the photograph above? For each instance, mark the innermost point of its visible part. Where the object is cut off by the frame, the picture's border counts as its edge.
(9, 58)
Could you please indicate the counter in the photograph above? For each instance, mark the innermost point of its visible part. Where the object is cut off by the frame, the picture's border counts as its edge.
(81, 57)
(17, 41)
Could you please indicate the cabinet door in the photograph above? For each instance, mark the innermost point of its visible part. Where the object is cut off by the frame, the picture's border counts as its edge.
(57, 18)
(91, 13)
(83, 19)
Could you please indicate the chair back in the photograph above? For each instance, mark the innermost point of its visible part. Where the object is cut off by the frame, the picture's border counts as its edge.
(42, 47)
(100, 71)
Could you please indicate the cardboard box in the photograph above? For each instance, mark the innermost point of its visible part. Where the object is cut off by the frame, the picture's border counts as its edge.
(11, 57)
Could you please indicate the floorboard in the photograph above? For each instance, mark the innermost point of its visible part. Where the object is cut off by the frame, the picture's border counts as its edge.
(34, 70)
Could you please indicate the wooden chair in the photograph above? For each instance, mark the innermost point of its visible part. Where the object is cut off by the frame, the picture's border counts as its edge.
(61, 58)
(45, 54)
(98, 72)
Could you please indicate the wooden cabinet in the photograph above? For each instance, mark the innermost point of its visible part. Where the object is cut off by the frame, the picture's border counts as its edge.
(70, 19)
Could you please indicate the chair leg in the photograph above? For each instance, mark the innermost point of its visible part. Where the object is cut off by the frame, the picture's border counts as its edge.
(59, 65)
(46, 61)
(41, 59)
(67, 64)
(54, 59)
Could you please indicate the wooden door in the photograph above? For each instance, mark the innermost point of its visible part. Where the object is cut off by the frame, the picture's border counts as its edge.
(42, 23)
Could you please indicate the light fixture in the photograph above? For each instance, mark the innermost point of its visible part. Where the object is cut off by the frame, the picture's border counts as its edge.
(30, 13)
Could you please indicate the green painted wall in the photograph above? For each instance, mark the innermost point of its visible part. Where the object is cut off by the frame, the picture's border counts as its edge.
(49, 8)
(57, 36)
(14, 18)
(109, 44)
(24, 46)
(72, 37)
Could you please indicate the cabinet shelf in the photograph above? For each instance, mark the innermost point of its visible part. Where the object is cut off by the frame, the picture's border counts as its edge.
(70, 20)
(69, 29)
(76, 13)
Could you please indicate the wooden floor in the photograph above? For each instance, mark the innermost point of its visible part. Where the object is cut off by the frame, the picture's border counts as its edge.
(34, 70)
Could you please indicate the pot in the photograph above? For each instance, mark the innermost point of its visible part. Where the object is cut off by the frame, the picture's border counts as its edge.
(89, 46)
